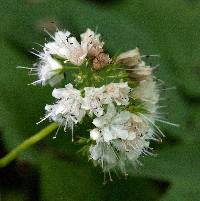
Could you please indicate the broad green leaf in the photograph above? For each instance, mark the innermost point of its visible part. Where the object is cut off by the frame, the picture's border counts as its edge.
(179, 165)
(21, 106)
(72, 179)
(12, 196)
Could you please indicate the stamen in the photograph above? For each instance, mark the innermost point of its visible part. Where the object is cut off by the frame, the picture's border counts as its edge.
(166, 122)
(23, 67)
(35, 82)
(38, 55)
(150, 55)
(104, 178)
(45, 30)
(66, 122)
(39, 44)
(153, 124)
(110, 176)
(55, 136)
(170, 88)
(36, 50)
(72, 132)
(46, 117)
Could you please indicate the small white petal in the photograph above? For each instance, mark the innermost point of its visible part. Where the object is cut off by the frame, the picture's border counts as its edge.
(95, 134)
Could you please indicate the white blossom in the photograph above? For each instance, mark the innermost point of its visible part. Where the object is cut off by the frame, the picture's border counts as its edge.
(140, 72)
(67, 111)
(148, 92)
(119, 92)
(137, 68)
(122, 138)
(94, 100)
(48, 70)
(123, 125)
(129, 58)
(118, 153)
(66, 47)
(102, 154)
(91, 43)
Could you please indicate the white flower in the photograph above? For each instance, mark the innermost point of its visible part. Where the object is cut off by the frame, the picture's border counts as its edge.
(123, 125)
(95, 152)
(91, 43)
(106, 119)
(67, 110)
(140, 72)
(137, 68)
(66, 93)
(129, 58)
(94, 100)
(48, 70)
(66, 47)
(59, 46)
(119, 92)
(120, 139)
(118, 153)
(102, 154)
(148, 92)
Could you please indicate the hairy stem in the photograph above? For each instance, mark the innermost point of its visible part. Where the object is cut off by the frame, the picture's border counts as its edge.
(26, 144)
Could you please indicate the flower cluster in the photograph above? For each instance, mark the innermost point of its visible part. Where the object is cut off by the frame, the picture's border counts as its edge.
(119, 96)
(65, 48)
(123, 135)
(71, 107)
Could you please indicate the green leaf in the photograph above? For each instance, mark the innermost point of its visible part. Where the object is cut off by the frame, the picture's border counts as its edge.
(13, 196)
(21, 106)
(178, 165)
(77, 180)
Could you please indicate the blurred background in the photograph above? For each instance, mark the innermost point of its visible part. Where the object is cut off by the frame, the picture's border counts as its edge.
(52, 170)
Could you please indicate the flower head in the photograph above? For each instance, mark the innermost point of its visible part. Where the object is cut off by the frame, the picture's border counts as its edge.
(94, 100)
(123, 125)
(137, 68)
(120, 138)
(66, 47)
(119, 92)
(119, 97)
(91, 43)
(67, 110)
(48, 70)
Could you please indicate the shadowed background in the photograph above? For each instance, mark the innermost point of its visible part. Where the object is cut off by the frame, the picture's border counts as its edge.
(52, 170)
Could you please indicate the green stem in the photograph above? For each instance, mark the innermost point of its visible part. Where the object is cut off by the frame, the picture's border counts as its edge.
(66, 68)
(26, 144)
